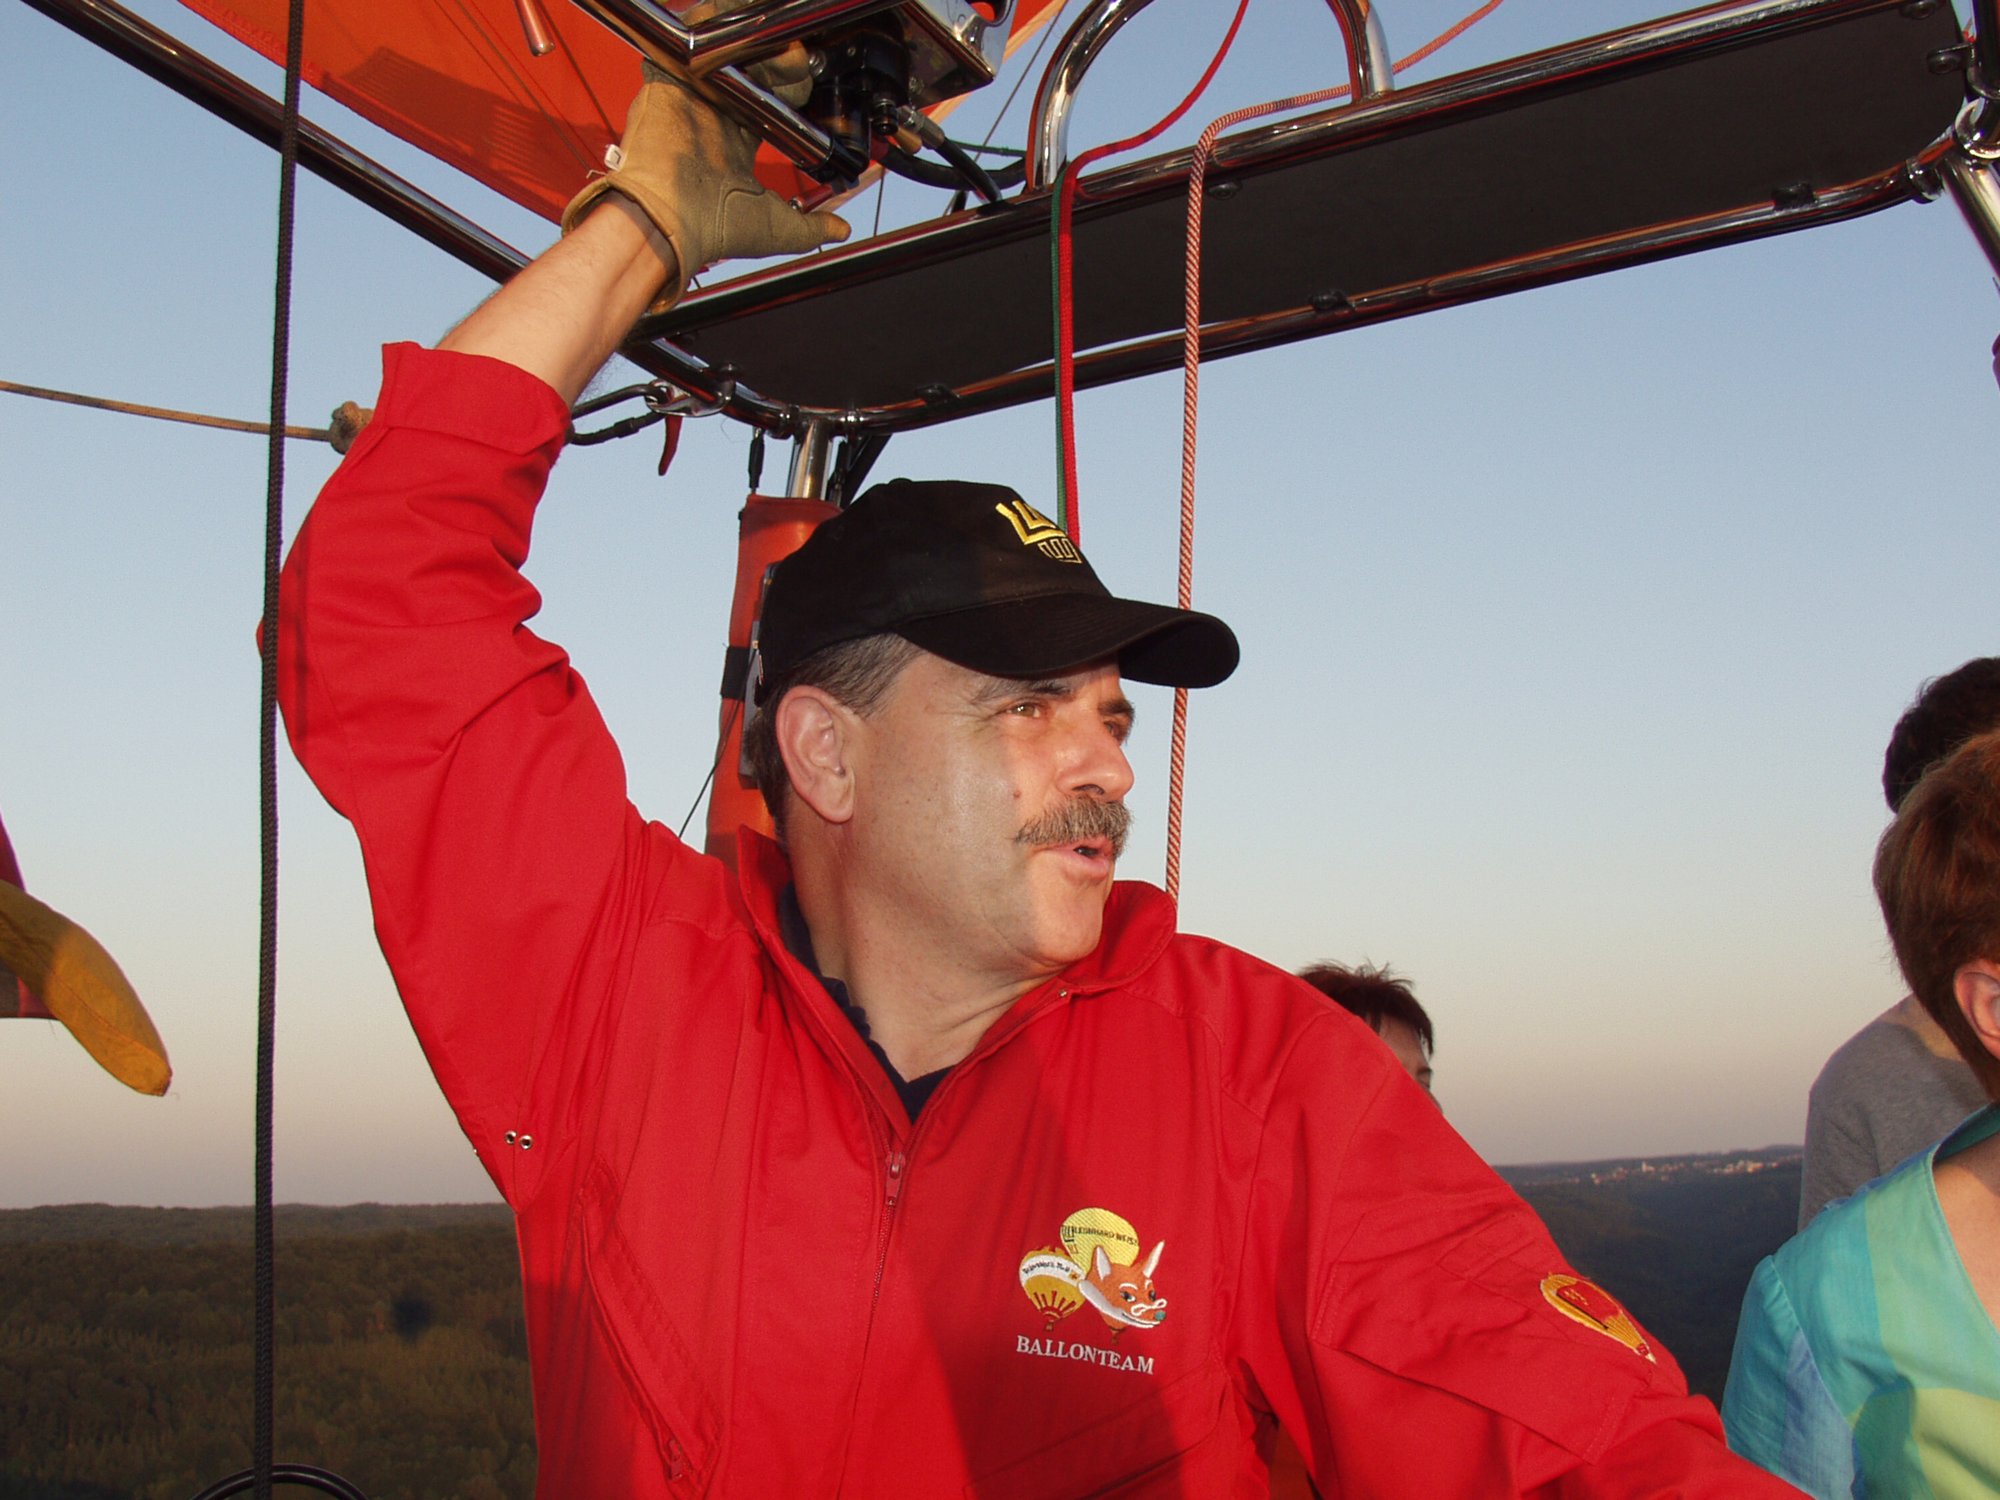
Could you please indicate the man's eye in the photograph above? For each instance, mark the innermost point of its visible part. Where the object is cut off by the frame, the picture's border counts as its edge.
(1024, 709)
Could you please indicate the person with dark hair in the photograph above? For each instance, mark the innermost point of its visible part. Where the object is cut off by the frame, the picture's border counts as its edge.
(1867, 1360)
(1948, 711)
(915, 1155)
(1384, 1001)
(1898, 1084)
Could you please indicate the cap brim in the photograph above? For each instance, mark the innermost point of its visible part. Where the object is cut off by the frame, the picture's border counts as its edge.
(1061, 632)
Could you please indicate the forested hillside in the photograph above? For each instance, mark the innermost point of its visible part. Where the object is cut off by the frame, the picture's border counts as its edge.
(125, 1361)
(125, 1355)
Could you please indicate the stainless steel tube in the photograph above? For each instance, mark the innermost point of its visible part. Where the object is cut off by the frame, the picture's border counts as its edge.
(1048, 134)
(1368, 65)
(809, 458)
(1368, 62)
(1976, 191)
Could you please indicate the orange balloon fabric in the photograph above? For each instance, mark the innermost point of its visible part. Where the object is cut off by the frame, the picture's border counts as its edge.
(456, 79)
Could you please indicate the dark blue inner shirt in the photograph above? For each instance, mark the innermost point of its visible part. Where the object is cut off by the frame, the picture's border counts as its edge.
(798, 941)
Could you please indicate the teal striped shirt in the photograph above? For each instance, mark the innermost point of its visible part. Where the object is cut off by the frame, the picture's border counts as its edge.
(1865, 1364)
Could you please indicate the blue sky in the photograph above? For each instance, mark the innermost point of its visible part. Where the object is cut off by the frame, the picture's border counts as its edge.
(1574, 624)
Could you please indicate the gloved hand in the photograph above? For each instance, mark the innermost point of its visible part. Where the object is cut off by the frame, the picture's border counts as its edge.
(689, 168)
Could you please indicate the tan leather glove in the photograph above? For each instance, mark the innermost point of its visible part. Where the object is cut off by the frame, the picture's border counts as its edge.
(689, 168)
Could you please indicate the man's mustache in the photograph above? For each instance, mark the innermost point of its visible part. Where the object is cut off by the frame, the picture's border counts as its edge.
(1079, 822)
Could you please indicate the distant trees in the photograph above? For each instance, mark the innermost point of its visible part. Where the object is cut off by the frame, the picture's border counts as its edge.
(125, 1368)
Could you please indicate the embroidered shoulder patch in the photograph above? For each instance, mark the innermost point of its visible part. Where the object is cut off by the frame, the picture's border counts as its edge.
(1588, 1303)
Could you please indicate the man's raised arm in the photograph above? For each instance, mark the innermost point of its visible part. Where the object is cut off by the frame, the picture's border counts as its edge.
(505, 865)
(681, 197)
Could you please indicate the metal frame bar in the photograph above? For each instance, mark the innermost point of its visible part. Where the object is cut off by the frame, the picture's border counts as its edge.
(806, 479)
(1986, 36)
(1976, 191)
(1368, 60)
(1219, 340)
(1266, 145)
(1368, 65)
(203, 82)
(1055, 95)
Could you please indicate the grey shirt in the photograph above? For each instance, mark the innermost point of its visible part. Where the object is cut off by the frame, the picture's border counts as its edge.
(1882, 1096)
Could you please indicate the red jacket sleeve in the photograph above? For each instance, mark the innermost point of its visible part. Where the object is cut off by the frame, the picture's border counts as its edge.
(1434, 1342)
(488, 796)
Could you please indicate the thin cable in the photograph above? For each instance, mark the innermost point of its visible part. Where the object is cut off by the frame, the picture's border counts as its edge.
(1191, 388)
(1048, 30)
(267, 950)
(1065, 329)
(722, 739)
(162, 413)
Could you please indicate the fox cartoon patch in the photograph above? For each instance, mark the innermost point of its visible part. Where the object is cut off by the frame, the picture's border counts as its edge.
(1098, 1264)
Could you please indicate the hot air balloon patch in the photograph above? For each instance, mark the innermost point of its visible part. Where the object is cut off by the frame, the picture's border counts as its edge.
(1101, 1263)
(1588, 1303)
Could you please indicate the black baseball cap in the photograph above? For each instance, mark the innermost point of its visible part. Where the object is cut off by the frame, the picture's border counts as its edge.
(976, 575)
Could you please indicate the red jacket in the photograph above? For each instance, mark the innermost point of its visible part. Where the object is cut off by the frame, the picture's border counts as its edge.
(747, 1273)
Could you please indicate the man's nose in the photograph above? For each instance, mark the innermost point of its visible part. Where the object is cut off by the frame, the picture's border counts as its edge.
(1102, 767)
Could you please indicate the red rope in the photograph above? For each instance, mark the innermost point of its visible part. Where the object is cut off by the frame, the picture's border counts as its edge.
(1191, 387)
(1444, 37)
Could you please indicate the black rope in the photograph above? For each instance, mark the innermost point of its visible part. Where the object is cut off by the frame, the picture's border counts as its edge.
(267, 956)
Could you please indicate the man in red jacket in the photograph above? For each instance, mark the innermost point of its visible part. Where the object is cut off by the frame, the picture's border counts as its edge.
(917, 1157)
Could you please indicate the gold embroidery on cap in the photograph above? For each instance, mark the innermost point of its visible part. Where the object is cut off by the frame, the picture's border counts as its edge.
(1038, 531)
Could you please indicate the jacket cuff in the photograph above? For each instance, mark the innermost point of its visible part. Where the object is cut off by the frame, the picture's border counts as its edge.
(470, 396)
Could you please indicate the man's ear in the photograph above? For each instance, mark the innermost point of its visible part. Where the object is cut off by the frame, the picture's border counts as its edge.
(812, 729)
(1977, 987)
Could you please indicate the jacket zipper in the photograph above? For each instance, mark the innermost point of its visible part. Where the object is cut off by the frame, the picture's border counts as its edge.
(894, 1168)
(897, 1164)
